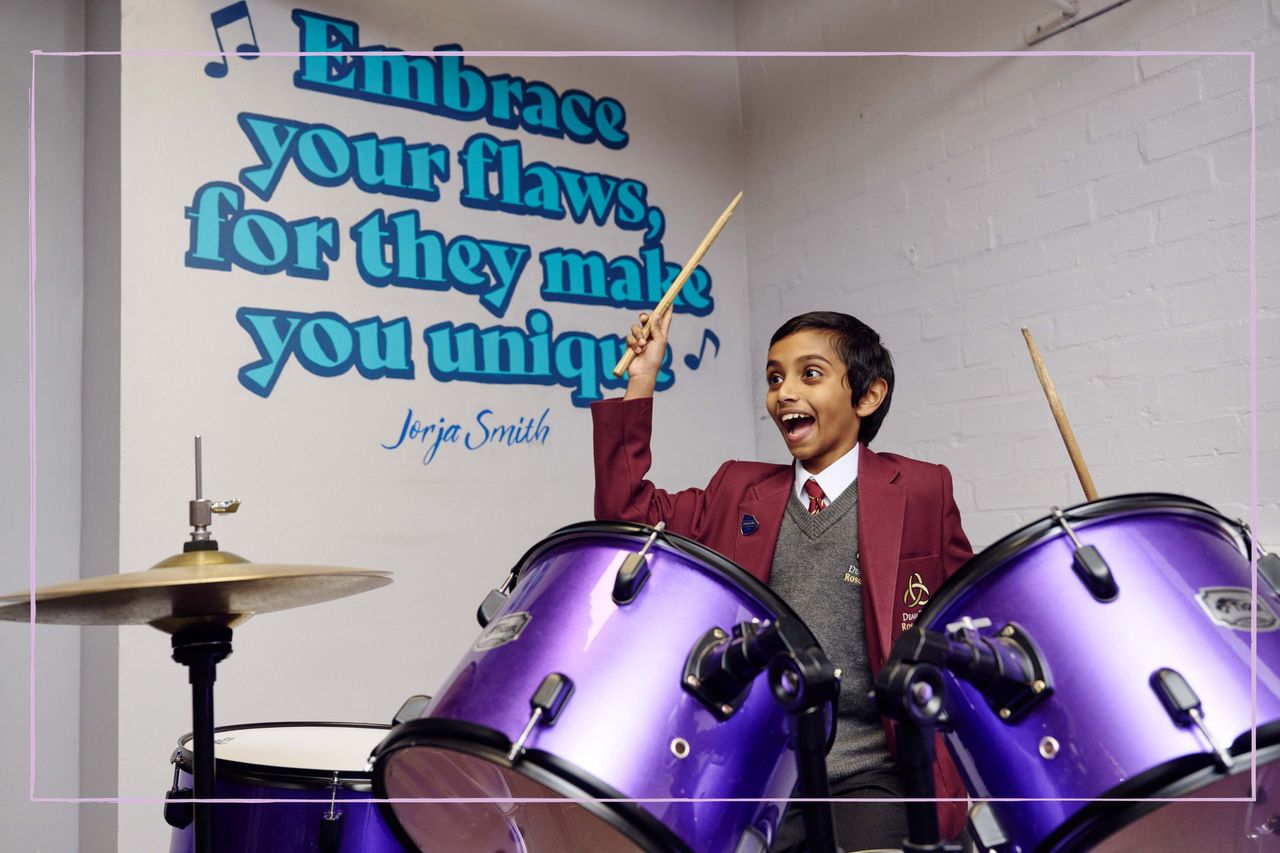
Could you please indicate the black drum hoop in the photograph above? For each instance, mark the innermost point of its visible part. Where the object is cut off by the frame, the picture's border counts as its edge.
(1100, 819)
(562, 777)
(285, 778)
(994, 556)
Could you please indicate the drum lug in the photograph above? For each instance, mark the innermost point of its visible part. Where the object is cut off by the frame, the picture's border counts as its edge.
(331, 821)
(494, 601)
(413, 708)
(634, 571)
(985, 829)
(178, 808)
(1184, 708)
(1089, 564)
(547, 703)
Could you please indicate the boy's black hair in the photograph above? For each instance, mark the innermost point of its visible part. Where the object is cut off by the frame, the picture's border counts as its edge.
(864, 355)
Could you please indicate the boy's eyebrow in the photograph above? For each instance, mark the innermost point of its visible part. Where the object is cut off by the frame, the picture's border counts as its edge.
(773, 362)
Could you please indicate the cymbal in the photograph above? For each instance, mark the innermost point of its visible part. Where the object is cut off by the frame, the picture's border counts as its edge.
(210, 587)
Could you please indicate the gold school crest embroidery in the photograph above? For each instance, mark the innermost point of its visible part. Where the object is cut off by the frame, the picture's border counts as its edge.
(917, 594)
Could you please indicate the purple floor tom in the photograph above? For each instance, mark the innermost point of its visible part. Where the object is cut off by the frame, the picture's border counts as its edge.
(1177, 620)
(316, 771)
(628, 728)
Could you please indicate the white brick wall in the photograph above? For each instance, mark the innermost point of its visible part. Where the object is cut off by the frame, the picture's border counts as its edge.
(1104, 202)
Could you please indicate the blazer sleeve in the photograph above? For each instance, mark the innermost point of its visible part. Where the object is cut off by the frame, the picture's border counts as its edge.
(620, 438)
(956, 550)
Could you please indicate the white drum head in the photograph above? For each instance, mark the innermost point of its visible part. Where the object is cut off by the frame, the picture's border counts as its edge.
(333, 747)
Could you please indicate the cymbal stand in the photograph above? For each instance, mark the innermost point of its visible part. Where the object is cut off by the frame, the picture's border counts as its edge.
(200, 648)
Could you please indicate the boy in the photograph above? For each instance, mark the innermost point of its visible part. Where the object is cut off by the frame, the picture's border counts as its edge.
(854, 541)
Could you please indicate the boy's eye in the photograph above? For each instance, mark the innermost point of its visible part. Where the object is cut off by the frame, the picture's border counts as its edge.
(811, 373)
(773, 379)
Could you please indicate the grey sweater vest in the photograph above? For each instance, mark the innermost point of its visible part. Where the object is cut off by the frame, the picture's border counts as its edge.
(815, 570)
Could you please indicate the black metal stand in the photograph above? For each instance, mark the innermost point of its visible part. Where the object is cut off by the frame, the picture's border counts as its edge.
(200, 648)
(915, 695)
(805, 684)
(719, 672)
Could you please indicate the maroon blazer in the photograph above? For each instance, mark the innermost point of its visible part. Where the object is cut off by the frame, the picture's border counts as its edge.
(909, 534)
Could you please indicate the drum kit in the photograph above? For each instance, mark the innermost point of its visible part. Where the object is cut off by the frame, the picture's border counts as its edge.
(632, 690)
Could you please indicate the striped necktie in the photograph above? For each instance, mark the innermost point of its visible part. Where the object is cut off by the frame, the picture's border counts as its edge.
(817, 499)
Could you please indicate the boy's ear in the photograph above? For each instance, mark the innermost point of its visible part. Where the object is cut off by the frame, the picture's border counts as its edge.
(873, 398)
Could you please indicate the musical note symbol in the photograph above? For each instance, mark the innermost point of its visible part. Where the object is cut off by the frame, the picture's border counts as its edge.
(221, 18)
(694, 361)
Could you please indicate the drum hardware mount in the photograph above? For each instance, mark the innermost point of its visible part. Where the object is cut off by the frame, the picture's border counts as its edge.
(914, 693)
(547, 703)
(1184, 708)
(1007, 669)
(634, 570)
(720, 671)
(1049, 747)
(200, 512)
(1089, 564)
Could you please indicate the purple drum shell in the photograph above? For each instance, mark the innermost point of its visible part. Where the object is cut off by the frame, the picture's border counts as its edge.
(621, 725)
(1114, 737)
(294, 825)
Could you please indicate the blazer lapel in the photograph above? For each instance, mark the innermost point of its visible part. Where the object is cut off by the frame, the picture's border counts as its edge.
(765, 502)
(881, 508)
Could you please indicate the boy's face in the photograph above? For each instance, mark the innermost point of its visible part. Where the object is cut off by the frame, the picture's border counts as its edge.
(809, 399)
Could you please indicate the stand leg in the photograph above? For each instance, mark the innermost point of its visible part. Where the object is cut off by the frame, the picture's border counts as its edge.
(915, 761)
(199, 649)
(811, 762)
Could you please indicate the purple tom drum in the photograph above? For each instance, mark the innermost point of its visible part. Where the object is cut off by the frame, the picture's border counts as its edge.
(599, 638)
(317, 774)
(1166, 610)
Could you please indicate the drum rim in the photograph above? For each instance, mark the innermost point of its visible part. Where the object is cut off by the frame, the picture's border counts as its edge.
(995, 555)
(546, 769)
(273, 776)
(689, 546)
(1098, 820)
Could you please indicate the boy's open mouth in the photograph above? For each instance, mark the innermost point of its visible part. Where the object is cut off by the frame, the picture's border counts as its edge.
(796, 425)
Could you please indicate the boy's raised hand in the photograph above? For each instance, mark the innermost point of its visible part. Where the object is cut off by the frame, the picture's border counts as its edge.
(642, 375)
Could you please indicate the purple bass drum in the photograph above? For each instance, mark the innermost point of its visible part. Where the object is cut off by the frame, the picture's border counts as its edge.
(1131, 648)
(599, 637)
(316, 773)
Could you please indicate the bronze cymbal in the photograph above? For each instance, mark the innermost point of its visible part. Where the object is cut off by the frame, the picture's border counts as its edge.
(212, 587)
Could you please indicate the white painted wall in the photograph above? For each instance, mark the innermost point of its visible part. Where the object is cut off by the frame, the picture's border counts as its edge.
(1103, 202)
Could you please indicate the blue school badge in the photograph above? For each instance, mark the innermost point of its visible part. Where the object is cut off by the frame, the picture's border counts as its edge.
(749, 525)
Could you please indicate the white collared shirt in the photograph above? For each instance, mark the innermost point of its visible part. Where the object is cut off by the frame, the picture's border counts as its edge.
(834, 479)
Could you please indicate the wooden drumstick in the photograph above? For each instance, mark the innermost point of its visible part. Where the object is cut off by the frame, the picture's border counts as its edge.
(670, 296)
(1060, 415)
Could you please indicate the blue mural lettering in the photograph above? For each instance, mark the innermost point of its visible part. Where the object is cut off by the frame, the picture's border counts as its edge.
(446, 85)
(532, 355)
(323, 344)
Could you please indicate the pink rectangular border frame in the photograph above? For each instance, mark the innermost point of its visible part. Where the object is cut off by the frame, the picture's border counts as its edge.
(1253, 372)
